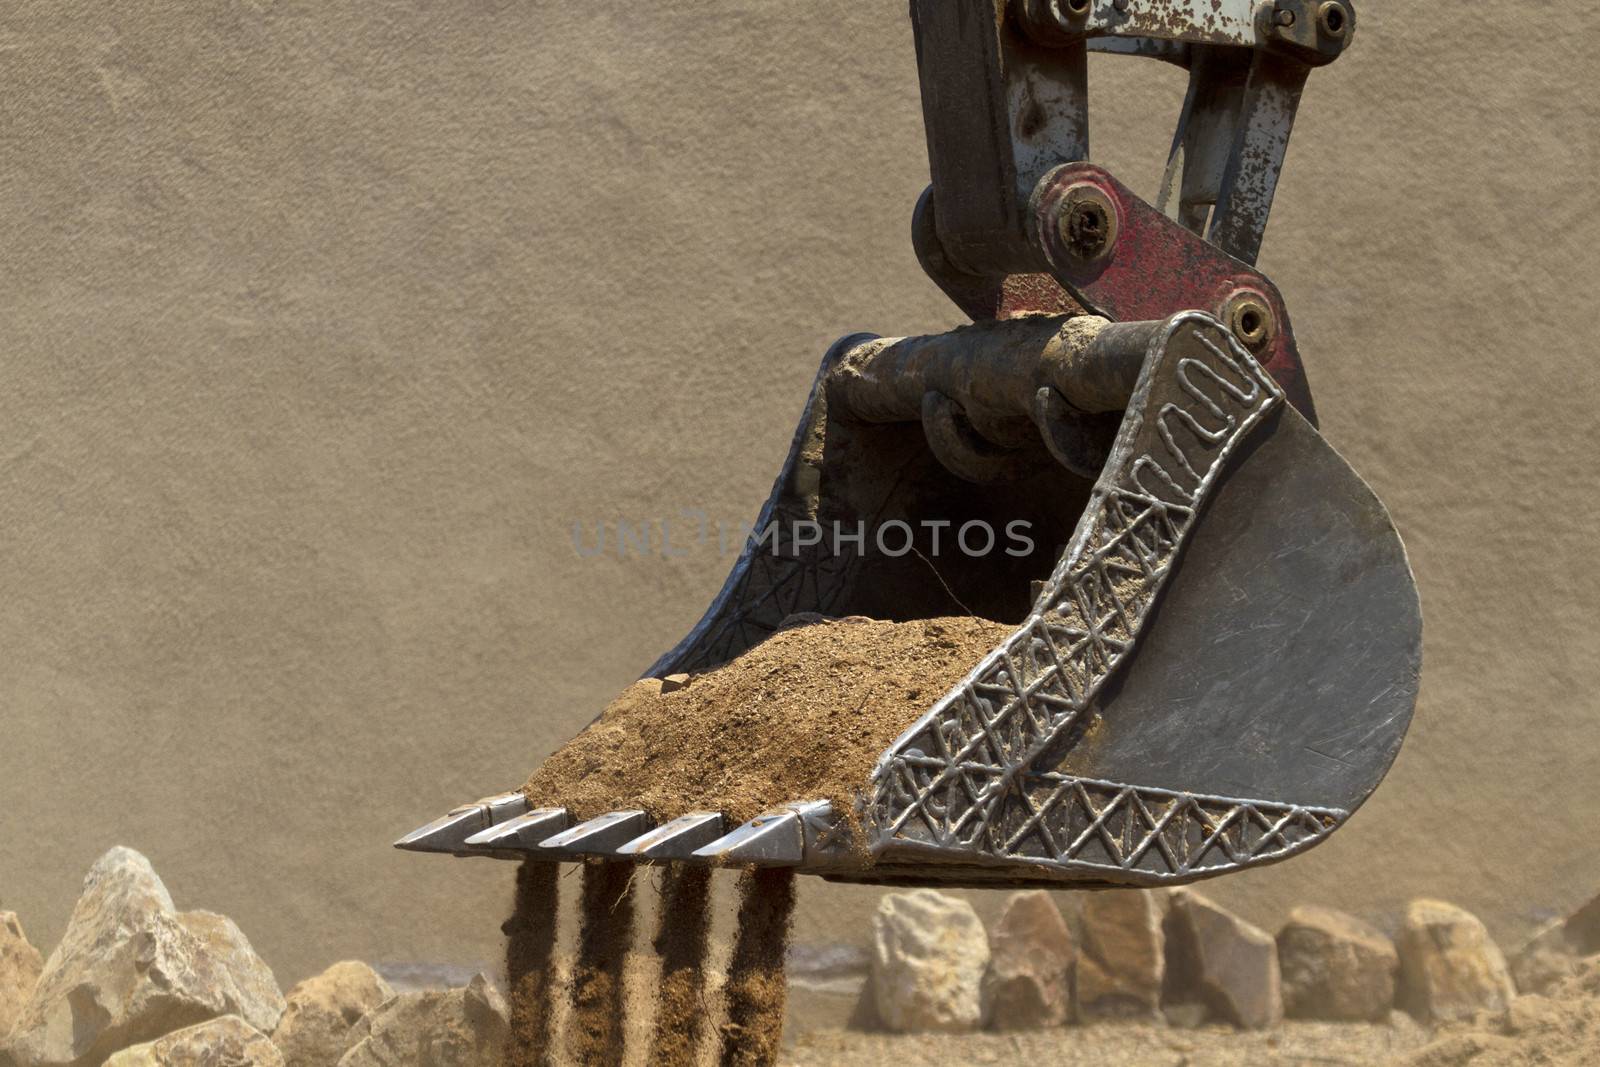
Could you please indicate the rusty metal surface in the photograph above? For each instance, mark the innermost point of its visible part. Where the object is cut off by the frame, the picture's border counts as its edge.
(1192, 182)
(999, 111)
(1255, 157)
(1005, 99)
(1297, 597)
(1226, 22)
(1316, 31)
(982, 297)
(1157, 268)
(991, 369)
(990, 393)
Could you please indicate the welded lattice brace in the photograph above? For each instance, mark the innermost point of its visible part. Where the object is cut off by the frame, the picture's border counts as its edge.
(974, 775)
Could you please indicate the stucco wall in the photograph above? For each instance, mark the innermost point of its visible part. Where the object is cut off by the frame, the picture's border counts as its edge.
(323, 323)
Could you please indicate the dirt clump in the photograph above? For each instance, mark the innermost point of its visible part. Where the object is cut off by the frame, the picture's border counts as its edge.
(803, 715)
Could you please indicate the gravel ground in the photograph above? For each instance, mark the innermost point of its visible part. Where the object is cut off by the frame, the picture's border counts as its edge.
(1121, 1045)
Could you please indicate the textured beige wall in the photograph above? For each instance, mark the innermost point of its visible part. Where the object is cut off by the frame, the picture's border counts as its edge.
(322, 323)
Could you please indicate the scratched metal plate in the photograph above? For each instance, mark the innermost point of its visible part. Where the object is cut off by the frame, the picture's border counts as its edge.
(1282, 659)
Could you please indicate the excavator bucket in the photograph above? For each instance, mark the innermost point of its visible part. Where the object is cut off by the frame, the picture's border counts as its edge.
(1211, 650)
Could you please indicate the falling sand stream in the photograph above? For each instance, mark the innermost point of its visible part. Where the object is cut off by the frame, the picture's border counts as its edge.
(753, 994)
(530, 959)
(802, 715)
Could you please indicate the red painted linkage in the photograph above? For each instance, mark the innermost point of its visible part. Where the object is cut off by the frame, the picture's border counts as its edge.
(1151, 267)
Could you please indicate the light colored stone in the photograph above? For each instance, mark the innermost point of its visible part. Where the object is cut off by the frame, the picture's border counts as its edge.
(1032, 951)
(1222, 961)
(1122, 960)
(929, 956)
(20, 964)
(319, 1013)
(1335, 967)
(246, 983)
(130, 969)
(437, 1028)
(225, 1042)
(1449, 966)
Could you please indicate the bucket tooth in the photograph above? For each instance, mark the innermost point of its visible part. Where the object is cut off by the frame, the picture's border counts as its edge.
(523, 833)
(773, 839)
(449, 833)
(600, 836)
(678, 839)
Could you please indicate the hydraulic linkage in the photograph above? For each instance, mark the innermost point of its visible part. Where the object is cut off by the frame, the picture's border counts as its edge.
(1213, 658)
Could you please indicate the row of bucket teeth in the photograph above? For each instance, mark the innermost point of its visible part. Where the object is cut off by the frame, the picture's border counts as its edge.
(508, 827)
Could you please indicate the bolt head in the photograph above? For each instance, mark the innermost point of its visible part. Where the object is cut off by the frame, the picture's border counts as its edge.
(1333, 19)
(1086, 223)
(1250, 320)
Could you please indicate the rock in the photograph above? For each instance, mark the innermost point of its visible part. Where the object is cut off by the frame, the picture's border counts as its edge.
(130, 969)
(929, 956)
(319, 1013)
(438, 1028)
(1335, 967)
(1223, 962)
(20, 964)
(1122, 961)
(1449, 966)
(1031, 955)
(225, 1042)
(250, 990)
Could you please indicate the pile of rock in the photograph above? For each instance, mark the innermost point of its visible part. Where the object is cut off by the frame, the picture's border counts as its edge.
(1179, 957)
(137, 983)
